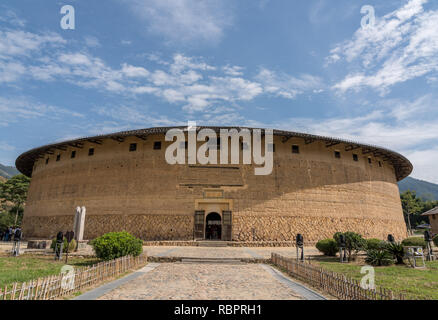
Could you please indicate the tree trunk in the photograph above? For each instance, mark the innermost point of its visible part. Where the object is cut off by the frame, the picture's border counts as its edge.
(16, 215)
(409, 223)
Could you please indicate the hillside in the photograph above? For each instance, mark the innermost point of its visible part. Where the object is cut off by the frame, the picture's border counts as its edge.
(8, 172)
(424, 189)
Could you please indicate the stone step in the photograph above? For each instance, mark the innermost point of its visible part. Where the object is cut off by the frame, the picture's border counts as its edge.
(211, 243)
(211, 261)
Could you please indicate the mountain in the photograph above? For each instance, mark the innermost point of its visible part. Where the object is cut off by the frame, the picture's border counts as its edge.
(424, 189)
(8, 172)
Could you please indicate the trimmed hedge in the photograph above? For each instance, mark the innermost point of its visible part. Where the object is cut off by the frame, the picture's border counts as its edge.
(374, 244)
(328, 247)
(113, 245)
(71, 248)
(414, 241)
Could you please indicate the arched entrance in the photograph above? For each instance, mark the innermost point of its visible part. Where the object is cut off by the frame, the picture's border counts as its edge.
(213, 226)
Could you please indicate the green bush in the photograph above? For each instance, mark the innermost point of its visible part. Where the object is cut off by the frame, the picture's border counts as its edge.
(396, 249)
(379, 257)
(113, 245)
(71, 247)
(353, 243)
(328, 247)
(435, 240)
(374, 244)
(414, 242)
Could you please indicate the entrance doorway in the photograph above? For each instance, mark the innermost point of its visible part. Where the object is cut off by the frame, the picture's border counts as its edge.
(213, 226)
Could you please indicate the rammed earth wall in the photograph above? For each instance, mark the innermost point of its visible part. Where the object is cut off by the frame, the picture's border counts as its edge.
(312, 193)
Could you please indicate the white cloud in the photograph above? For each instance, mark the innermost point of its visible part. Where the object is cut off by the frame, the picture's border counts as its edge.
(134, 72)
(234, 71)
(92, 42)
(4, 146)
(401, 46)
(9, 16)
(409, 128)
(288, 86)
(184, 21)
(15, 43)
(18, 108)
(189, 82)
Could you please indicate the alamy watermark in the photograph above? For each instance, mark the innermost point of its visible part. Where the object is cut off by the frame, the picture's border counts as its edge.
(367, 281)
(369, 19)
(68, 277)
(229, 144)
(68, 20)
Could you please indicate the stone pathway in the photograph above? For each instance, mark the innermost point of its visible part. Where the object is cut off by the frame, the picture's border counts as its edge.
(174, 281)
(224, 252)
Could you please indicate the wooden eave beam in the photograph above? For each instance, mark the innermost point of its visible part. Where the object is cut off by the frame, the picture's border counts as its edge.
(351, 147)
(142, 136)
(367, 151)
(96, 141)
(309, 140)
(119, 139)
(329, 144)
(78, 145)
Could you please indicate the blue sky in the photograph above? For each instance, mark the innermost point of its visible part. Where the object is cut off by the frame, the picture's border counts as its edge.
(298, 65)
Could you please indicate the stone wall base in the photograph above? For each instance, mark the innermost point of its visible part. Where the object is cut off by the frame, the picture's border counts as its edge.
(253, 230)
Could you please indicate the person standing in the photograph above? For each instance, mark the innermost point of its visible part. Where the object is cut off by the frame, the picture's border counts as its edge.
(9, 234)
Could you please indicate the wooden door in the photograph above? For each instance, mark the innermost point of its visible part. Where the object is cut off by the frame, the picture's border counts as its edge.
(226, 225)
(199, 225)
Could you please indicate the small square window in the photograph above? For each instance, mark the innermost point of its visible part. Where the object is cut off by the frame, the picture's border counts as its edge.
(380, 164)
(157, 145)
(355, 157)
(91, 151)
(73, 154)
(132, 147)
(47, 161)
(369, 160)
(295, 149)
(337, 155)
(271, 147)
(58, 157)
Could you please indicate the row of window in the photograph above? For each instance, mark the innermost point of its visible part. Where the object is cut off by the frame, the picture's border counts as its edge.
(243, 146)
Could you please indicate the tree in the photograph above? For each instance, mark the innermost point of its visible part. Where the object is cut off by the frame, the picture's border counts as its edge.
(353, 243)
(411, 205)
(15, 191)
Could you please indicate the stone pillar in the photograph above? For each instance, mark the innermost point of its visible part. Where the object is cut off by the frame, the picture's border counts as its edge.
(75, 223)
(79, 223)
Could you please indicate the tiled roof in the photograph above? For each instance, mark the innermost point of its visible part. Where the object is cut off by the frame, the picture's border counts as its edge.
(402, 166)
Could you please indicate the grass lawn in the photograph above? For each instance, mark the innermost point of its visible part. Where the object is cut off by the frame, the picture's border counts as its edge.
(414, 283)
(29, 267)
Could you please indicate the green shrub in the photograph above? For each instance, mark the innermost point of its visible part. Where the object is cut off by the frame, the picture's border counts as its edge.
(353, 243)
(328, 247)
(116, 244)
(414, 242)
(379, 257)
(396, 249)
(71, 247)
(374, 244)
(435, 240)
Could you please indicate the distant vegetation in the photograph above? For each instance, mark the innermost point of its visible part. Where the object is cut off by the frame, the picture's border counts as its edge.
(414, 206)
(423, 189)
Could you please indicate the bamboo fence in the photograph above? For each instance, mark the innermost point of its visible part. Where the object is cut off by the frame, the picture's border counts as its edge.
(65, 284)
(337, 285)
